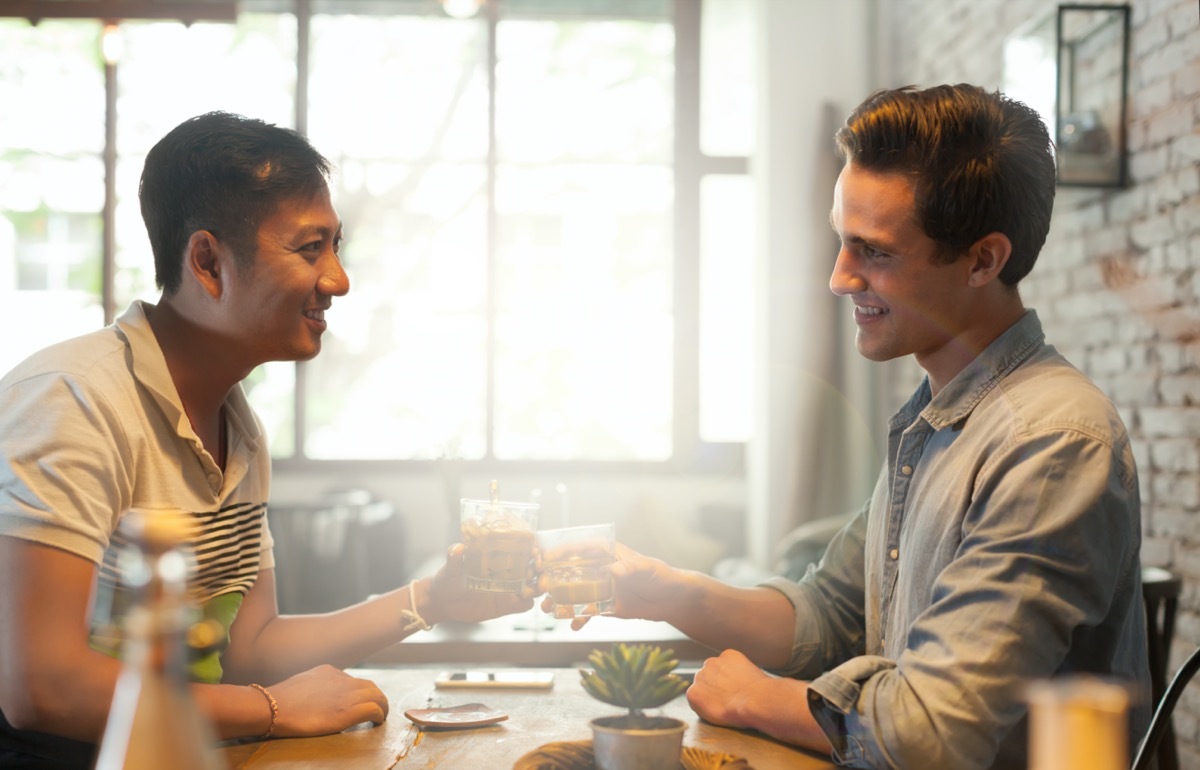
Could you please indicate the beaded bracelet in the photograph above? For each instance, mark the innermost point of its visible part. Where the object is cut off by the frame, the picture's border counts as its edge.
(274, 709)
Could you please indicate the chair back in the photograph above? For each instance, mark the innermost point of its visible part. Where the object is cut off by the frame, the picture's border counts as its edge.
(1161, 720)
(1160, 591)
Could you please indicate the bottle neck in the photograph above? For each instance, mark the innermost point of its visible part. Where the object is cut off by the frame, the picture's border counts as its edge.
(155, 629)
(155, 640)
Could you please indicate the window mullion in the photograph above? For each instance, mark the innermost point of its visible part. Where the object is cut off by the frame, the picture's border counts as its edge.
(300, 393)
(686, 310)
(491, 237)
(108, 255)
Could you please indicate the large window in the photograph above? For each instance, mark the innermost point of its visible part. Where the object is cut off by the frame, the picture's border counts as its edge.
(548, 215)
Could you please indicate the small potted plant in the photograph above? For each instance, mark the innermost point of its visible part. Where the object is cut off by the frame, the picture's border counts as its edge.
(635, 677)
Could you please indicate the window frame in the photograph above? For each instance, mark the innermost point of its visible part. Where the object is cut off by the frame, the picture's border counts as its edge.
(690, 165)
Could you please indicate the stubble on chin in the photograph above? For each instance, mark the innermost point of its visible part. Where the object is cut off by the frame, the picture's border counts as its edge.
(864, 347)
(873, 350)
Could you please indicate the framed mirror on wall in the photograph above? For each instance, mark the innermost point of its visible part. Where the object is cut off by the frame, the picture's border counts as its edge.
(1093, 56)
(1072, 67)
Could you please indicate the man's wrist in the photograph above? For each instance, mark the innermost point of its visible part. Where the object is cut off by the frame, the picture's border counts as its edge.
(419, 613)
(686, 589)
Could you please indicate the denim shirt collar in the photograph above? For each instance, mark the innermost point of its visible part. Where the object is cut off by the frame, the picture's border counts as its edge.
(955, 401)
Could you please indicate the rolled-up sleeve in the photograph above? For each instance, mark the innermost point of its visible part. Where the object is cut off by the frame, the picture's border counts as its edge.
(829, 604)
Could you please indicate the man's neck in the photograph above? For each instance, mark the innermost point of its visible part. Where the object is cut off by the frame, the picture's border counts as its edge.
(991, 321)
(199, 363)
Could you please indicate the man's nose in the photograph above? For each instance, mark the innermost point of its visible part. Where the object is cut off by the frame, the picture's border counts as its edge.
(845, 278)
(333, 280)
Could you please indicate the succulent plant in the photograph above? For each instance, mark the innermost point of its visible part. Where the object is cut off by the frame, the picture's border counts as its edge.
(634, 677)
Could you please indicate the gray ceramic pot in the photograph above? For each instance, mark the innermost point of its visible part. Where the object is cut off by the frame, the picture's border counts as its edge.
(654, 743)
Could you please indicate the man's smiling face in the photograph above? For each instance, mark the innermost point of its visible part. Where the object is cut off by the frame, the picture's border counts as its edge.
(278, 301)
(906, 301)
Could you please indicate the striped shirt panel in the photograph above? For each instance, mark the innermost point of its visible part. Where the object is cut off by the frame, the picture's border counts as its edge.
(225, 547)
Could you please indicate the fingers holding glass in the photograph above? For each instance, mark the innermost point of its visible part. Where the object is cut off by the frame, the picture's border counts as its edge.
(576, 568)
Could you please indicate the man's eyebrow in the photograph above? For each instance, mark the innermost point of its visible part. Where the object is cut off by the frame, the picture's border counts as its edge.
(307, 231)
(859, 240)
(845, 238)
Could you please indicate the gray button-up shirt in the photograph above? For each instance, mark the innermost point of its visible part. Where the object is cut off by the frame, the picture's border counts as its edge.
(1000, 546)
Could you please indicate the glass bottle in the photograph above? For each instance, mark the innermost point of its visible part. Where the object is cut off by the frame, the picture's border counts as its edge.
(154, 721)
(1078, 723)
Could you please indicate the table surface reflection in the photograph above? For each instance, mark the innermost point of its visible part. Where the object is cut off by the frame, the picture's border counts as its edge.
(535, 718)
(532, 639)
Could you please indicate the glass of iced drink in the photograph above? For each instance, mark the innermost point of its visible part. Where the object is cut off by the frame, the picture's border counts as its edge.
(577, 563)
(499, 542)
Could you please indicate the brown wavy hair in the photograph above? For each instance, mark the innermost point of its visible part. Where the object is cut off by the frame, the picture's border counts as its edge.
(979, 162)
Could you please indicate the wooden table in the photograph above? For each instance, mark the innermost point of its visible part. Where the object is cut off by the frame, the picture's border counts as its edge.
(535, 718)
(532, 640)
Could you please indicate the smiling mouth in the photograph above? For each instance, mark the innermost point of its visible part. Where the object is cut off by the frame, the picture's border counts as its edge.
(315, 315)
(868, 311)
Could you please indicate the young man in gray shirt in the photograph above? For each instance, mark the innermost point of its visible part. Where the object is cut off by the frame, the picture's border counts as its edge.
(1001, 544)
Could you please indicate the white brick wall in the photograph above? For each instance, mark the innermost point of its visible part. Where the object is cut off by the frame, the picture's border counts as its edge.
(1116, 284)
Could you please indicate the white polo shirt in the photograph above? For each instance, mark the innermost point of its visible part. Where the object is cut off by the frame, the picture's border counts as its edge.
(93, 427)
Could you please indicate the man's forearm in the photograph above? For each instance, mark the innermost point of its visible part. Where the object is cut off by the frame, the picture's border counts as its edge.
(757, 621)
(289, 644)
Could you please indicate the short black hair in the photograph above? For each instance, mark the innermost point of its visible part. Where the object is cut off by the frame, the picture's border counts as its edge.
(224, 173)
(979, 161)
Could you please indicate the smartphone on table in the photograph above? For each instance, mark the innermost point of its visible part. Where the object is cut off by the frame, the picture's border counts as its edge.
(515, 678)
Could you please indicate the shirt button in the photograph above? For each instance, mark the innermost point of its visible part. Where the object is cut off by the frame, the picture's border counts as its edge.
(906, 470)
(894, 553)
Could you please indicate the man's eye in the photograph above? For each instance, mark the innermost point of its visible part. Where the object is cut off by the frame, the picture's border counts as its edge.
(872, 252)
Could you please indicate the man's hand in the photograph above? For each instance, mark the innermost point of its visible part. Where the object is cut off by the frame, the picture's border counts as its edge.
(326, 700)
(645, 588)
(448, 598)
(724, 687)
(757, 621)
(731, 691)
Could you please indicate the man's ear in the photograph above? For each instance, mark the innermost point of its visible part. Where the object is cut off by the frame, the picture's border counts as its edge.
(988, 257)
(204, 259)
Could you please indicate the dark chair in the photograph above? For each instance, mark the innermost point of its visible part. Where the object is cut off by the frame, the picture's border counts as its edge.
(1160, 590)
(1160, 724)
(334, 551)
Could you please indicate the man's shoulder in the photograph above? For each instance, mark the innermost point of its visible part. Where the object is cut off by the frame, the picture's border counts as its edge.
(95, 356)
(1049, 369)
(1048, 392)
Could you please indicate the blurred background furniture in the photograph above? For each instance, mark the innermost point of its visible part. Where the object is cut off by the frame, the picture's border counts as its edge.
(1160, 590)
(335, 551)
(1160, 733)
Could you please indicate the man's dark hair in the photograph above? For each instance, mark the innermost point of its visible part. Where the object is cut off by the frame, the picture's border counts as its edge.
(223, 173)
(979, 161)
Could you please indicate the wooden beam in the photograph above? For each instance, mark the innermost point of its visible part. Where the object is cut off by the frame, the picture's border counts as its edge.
(187, 11)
